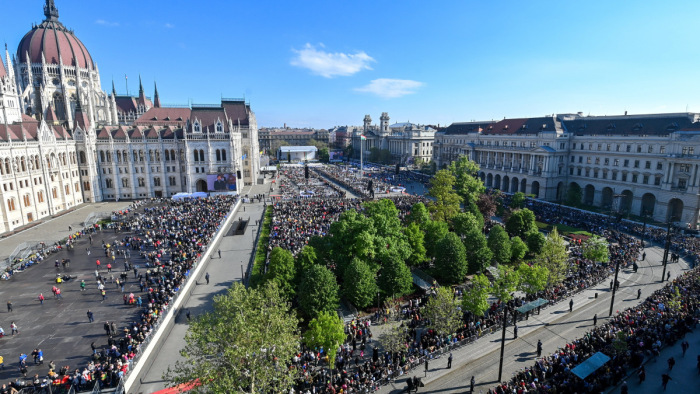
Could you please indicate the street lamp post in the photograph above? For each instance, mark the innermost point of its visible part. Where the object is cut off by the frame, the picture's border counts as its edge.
(503, 340)
(667, 247)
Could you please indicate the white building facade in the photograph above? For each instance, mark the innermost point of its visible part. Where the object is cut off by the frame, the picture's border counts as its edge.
(645, 165)
(64, 141)
(406, 141)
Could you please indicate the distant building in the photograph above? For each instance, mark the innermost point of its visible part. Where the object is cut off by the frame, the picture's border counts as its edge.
(296, 154)
(644, 165)
(406, 141)
(271, 139)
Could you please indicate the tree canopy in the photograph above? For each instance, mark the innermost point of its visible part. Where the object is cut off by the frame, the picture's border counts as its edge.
(596, 248)
(518, 249)
(450, 261)
(326, 331)
(533, 278)
(416, 239)
(395, 278)
(443, 311)
(479, 256)
(435, 230)
(236, 348)
(507, 282)
(520, 223)
(499, 243)
(553, 256)
(447, 201)
(518, 200)
(419, 215)
(282, 271)
(467, 183)
(475, 298)
(318, 291)
(359, 284)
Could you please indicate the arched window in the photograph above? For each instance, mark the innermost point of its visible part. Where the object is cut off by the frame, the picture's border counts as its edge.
(223, 154)
(156, 181)
(196, 155)
(136, 156)
(125, 155)
(150, 155)
(23, 164)
(108, 184)
(8, 168)
(27, 200)
(197, 127)
(201, 155)
(125, 182)
(157, 157)
(219, 127)
(142, 182)
(172, 155)
(109, 156)
(102, 156)
(167, 155)
(82, 157)
(54, 192)
(218, 155)
(141, 155)
(119, 156)
(40, 196)
(11, 204)
(37, 162)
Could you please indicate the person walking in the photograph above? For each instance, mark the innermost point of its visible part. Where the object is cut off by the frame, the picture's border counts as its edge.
(624, 389)
(642, 374)
(684, 345)
(671, 362)
(14, 328)
(41, 298)
(515, 331)
(207, 277)
(58, 294)
(9, 306)
(664, 380)
(219, 252)
(571, 305)
(426, 367)
(639, 293)
(449, 361)
(187, 313)
(539, 348)
(595, 319)
(90, 316)
(472, 383)
(82, 285)
(644, 256)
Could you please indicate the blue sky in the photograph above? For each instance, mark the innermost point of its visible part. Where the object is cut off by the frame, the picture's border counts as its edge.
(325, 63)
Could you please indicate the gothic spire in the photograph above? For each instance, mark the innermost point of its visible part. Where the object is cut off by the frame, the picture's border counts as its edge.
(114, 90)
(156, 98)
(50, 11)
(140, 86)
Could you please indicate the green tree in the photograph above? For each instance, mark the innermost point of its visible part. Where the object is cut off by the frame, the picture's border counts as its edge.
(416, 239)
(353, 235)
(385, 217)
(223, 347)
(506, 283)
(518, 200)
(479, 256)
(475, 299)
(518, 249)
(318, 291)
(574, 195)
(596, 248)
(474, 210)
(419, 215)
(535, 242)
(318, 144)
(553, 256)
(281, 271)
(326, 331)
(305, 259)
(324, 155)
(521, 222)
(395, 278)
(465, 222)
(446, 202)
(394, 339)
(499, 244)
(450, 261)
(435, 230)
(467, 184)
(359, 284)
(533, 278)
(443, 311)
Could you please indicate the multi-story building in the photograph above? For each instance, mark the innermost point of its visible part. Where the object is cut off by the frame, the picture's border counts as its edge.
(643, 165)
(271, 139)
(406, 141)
(64, 141)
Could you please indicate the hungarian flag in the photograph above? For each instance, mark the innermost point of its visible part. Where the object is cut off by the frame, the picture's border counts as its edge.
(363, 138)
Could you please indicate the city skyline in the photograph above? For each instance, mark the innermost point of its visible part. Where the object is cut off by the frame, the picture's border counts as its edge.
(315, 64)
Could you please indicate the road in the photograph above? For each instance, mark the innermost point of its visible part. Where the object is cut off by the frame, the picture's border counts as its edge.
(555, 327)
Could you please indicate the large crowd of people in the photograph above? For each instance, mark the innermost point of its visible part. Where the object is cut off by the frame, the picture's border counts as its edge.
(167, 237)
(294, 185)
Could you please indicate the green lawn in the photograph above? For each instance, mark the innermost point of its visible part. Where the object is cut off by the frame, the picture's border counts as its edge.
(261, 250)
(563, 229)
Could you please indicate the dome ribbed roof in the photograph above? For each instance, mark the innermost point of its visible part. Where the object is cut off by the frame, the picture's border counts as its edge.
(56, 42)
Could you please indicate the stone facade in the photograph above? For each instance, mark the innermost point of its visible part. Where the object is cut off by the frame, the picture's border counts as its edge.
(406, 141)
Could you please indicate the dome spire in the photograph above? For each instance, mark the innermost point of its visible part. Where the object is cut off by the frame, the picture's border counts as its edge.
(156, 98)
(50, 11)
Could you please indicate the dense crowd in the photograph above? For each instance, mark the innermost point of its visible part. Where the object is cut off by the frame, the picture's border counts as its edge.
(169, 237)
(639, 332)
(294, 185)
(360, 186)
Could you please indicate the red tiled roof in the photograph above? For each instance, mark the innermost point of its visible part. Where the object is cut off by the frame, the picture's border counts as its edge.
(208, 117)
(236, 110)
(56, 43)
(164, 116)
(125, 104)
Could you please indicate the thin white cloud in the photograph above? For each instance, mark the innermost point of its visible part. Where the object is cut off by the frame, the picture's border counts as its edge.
(106, 23)
(169, 25)
(391, 88)
(329, 65)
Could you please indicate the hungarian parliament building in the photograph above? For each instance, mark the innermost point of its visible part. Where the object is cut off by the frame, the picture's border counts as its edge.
(64, 141)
